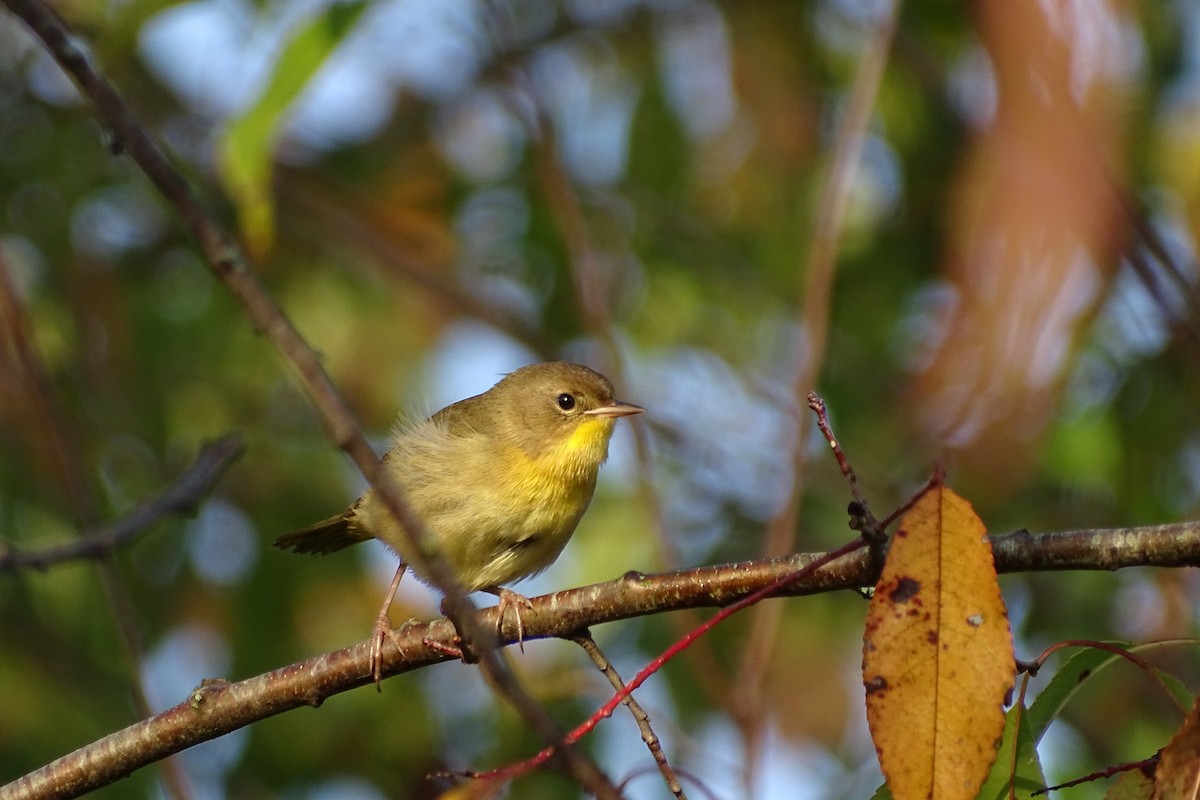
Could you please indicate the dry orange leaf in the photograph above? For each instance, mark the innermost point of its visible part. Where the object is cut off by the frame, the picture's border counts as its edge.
(937, 653)
(1177, 776)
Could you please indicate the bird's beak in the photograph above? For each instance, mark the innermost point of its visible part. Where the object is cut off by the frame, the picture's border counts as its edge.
(614, 409)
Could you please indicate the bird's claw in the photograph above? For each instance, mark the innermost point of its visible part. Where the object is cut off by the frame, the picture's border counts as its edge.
(381, 633)
(509, 598)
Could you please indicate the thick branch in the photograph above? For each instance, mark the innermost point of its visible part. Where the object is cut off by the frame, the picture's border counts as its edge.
(221, 707)
(1176, 544)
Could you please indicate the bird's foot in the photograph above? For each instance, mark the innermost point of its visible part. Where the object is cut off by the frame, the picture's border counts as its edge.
(381, 633)
(513, 600)
(383, 629)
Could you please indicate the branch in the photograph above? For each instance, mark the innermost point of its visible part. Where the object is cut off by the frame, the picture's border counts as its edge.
(353, 226)
(231, 267)
(62, 438)
(219, 707)
(181, 497)
(640, 716)
(749, 698)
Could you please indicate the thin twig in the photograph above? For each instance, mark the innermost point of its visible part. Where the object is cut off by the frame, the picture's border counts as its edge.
(860, 511)
(567, 212)
(181, 497)
(576, 762)
(809, 348)
(1146, 765)
(62, 438)
(42, 401)
(340, 217)
(1185, 321)
(640, 716)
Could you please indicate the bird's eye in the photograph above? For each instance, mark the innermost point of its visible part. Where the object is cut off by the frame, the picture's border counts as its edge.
(566, 401)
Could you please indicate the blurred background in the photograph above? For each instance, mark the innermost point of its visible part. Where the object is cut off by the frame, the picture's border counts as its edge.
(972, 228)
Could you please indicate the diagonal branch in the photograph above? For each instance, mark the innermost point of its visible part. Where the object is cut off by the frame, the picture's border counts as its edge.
(230, 265)
(181, 497)
(219, 707)
(820, 270)
(640, 716)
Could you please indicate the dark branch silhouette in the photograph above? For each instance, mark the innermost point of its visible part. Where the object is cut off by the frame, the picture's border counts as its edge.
(181, 497)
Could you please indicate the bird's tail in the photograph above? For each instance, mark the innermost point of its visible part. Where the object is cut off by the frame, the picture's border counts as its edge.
(327, 536)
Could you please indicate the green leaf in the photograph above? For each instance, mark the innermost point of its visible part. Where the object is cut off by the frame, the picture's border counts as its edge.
(1028, 768)
(245, 150)
(1051, 700)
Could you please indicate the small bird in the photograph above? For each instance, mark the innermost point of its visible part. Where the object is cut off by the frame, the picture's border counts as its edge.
(500, 480)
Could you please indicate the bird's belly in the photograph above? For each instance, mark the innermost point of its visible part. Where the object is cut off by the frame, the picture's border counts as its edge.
(535, 529)
(502, 526)
(490, 535)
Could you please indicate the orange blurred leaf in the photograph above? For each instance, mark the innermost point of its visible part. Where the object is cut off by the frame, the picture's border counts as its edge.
(1033, 236)
(937, 653)
(1178, 774)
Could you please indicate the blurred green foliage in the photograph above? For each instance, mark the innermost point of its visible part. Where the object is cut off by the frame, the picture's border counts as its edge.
(421, 249)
